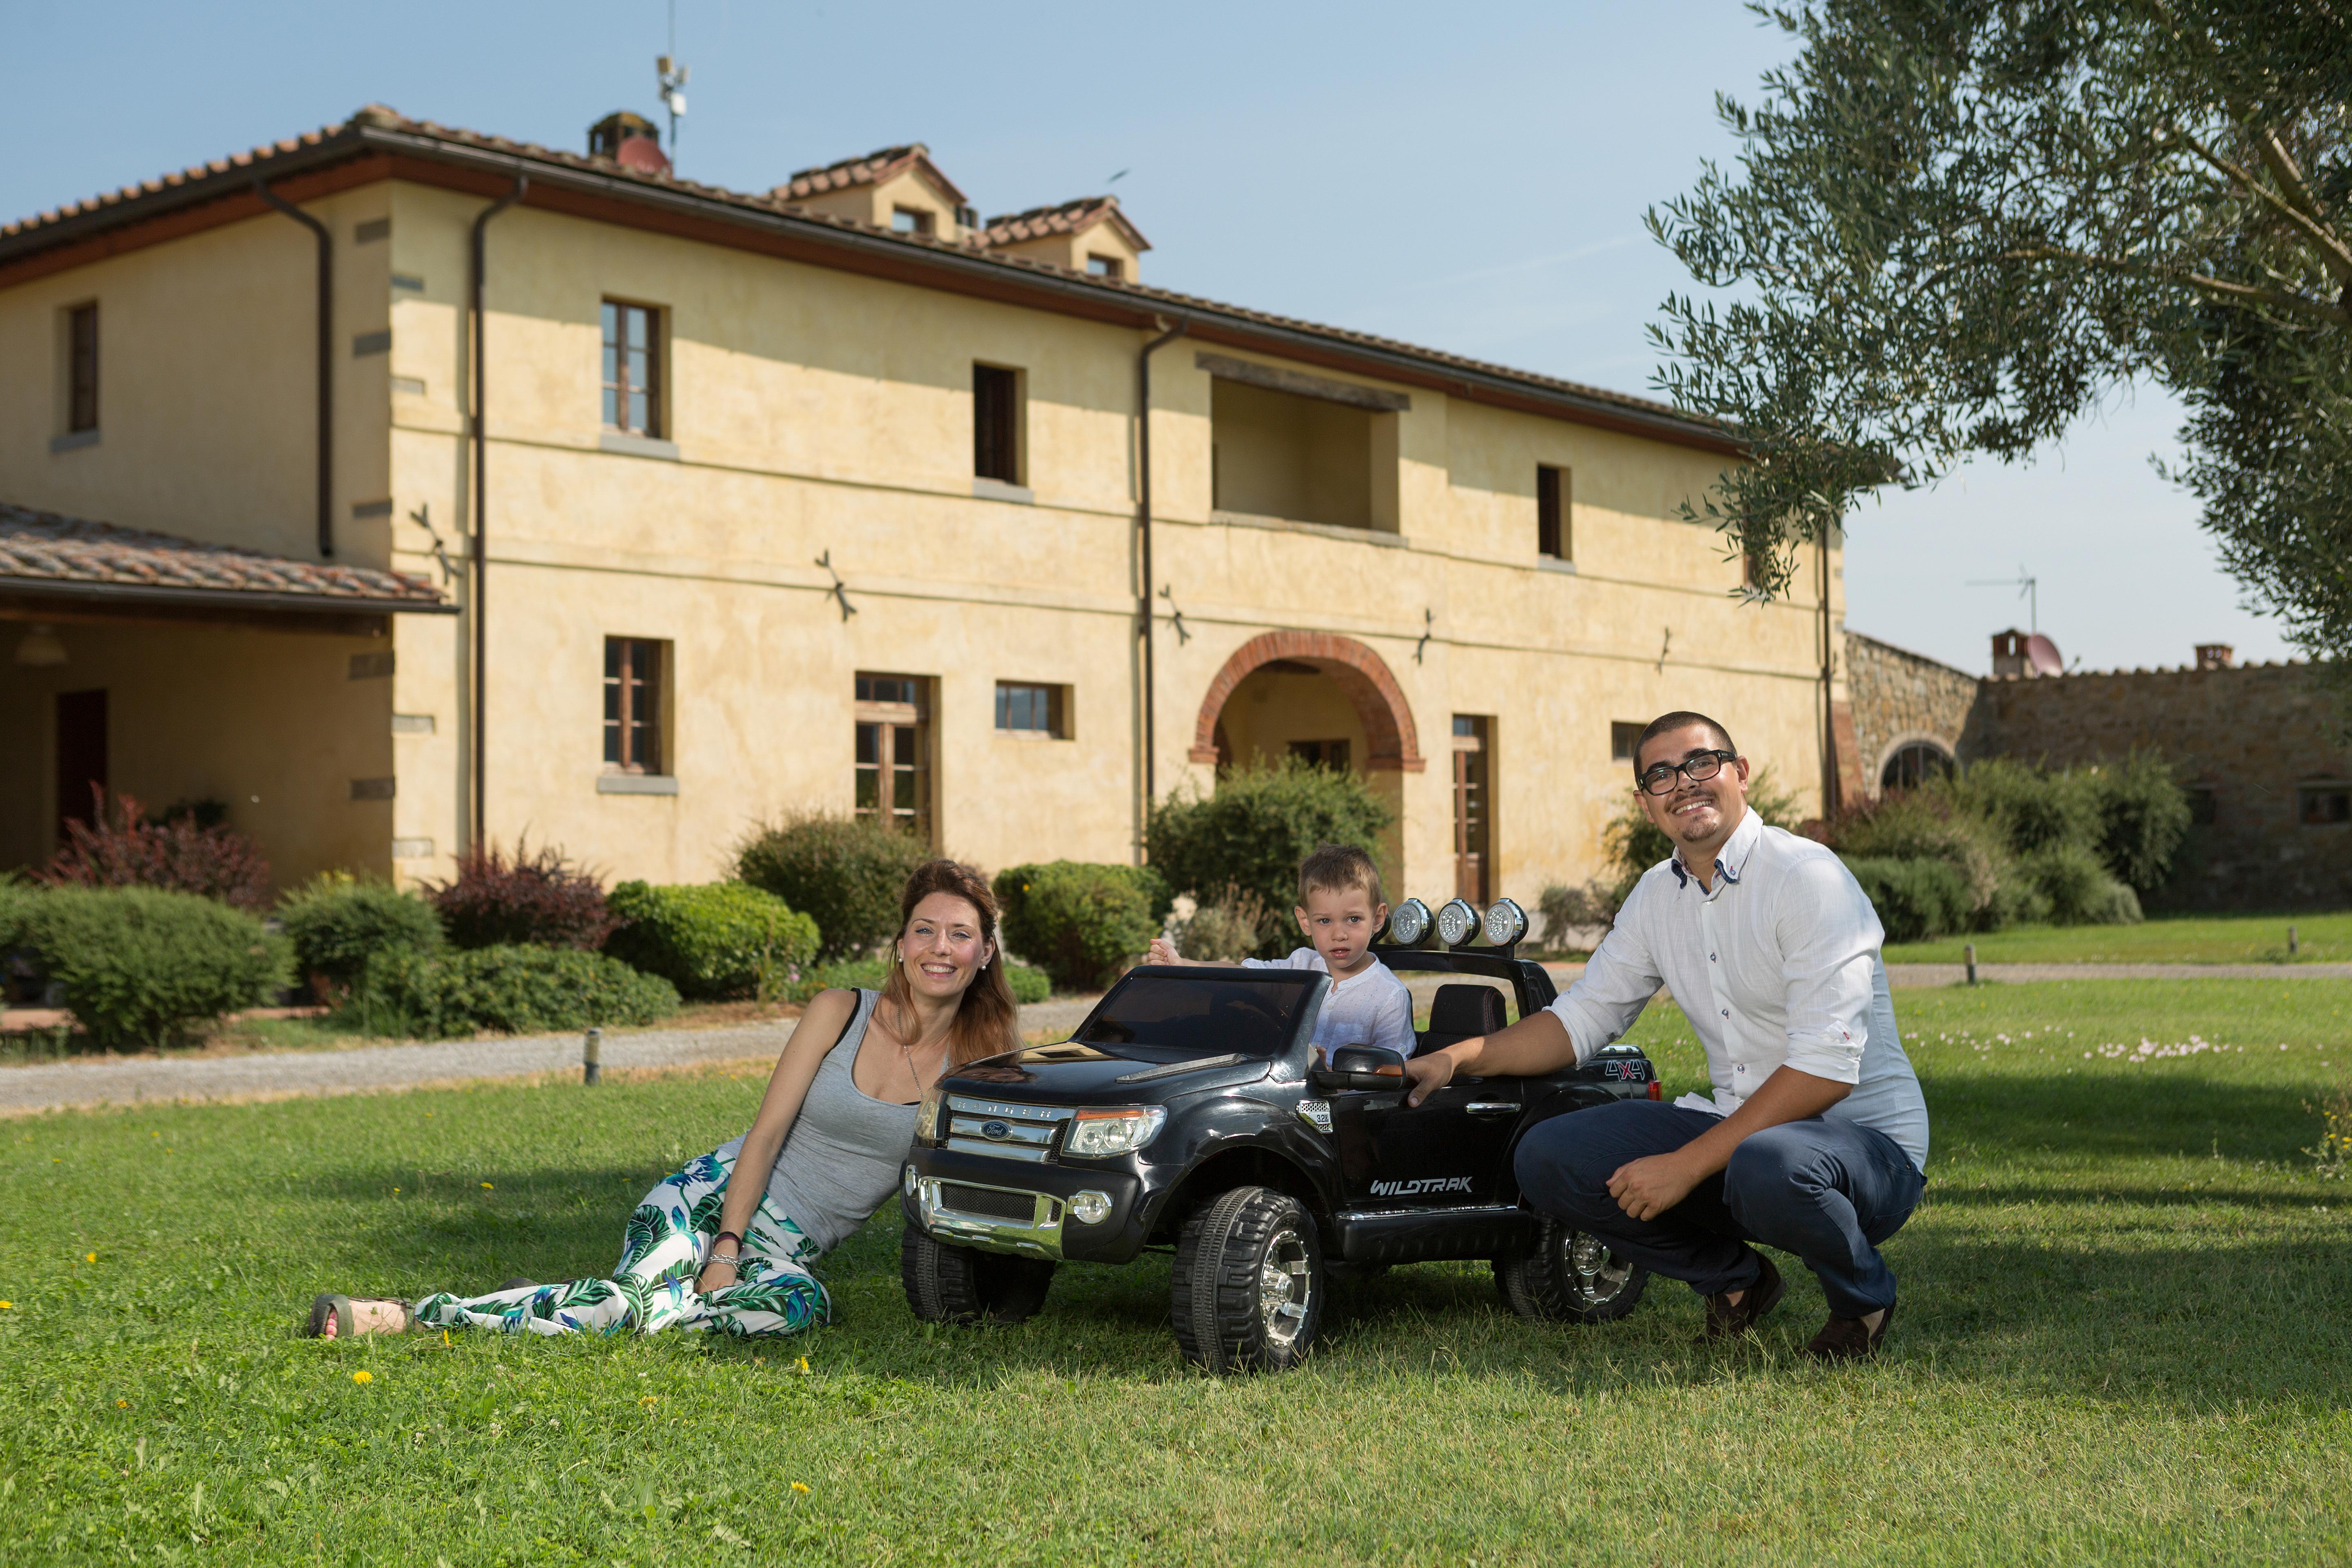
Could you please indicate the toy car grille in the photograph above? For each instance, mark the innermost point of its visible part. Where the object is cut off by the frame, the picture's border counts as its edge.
(992, 1202)
(1002, 1130)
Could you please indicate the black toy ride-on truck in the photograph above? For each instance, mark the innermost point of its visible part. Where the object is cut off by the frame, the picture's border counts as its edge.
(1189, 1112)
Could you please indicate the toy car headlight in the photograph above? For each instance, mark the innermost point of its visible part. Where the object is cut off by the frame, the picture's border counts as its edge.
(1456, 922)
(927, 1115)
(1409, 922)
(1093, 1133)
(1506, 923)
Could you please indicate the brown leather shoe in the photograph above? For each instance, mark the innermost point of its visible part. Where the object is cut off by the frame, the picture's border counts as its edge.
(1846, 1339)
(1728, 1319)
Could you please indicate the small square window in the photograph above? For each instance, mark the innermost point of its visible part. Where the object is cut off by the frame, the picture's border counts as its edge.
(2323, 805)
(1033, 710)
(1105, 266)
(912, 220)
(1624, 740)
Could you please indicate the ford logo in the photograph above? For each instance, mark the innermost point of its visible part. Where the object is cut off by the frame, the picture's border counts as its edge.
(995, 1130)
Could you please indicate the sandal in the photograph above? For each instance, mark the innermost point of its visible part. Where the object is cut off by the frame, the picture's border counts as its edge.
(331, 1317)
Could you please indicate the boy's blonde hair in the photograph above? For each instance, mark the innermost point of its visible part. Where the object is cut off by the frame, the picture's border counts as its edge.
(1340, 869)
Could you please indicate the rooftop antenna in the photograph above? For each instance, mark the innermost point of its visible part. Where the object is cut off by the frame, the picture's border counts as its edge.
(671, 72)
(2025, 585)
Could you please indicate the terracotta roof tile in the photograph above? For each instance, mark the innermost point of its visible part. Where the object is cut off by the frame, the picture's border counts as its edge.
(1062, 217)
(44, 547)
(869, 169)
(241, 167)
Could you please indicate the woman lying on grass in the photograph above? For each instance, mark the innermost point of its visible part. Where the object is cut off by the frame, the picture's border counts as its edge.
(703, 1252)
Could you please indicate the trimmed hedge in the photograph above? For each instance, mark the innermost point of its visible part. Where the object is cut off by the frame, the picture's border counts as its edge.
(1916, 900)
(145, 966)
(845, 872)
(1256, 829)
(509, 990)
(1029, 984)
(337, 923)
(713, 939)
(1080, 922)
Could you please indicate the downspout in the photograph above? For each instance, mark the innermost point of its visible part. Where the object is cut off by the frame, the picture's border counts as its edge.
(477, 602)
(1830, 791)
(326, 362)
(1143, 598)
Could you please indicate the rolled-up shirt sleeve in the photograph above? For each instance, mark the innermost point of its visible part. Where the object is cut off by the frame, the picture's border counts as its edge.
(1829, 936)
(1617, 984)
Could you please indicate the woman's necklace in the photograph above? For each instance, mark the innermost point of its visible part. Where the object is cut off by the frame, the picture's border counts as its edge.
(906, 1053)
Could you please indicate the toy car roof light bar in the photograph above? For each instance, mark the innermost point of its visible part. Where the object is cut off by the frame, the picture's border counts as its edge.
(1408, 923)
(1457, 922)
(1506, 923)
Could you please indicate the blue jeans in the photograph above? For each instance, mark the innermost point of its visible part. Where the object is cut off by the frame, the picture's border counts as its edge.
(1826, 1189)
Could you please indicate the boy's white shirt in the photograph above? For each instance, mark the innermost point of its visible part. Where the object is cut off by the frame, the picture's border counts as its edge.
(1369, 1007)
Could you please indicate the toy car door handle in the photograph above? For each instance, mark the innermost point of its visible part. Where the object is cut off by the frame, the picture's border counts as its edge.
(1493, 1108)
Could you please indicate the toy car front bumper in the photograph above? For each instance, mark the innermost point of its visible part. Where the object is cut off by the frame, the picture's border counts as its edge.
(1033, 1210)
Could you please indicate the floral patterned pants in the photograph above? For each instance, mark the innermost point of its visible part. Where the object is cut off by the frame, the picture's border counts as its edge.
(653, 1287)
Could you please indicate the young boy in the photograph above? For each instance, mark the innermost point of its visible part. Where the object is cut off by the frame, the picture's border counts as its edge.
(1341, 911)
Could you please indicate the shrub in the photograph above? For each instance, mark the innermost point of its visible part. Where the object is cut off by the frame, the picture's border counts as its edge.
(2031, 807)
(512, 989)
(337, 922)
(2077, 887)
(1928, 824)
(719, 939)
(1258, 825)
(536, 900)
(845, 872)
(180, 854)
(2143, 816)
(1229, 928)
(1080, 922)
(145, 966)
(1915, 900)
(1029, 984)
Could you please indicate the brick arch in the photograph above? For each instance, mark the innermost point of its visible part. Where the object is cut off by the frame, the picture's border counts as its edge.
(1390, 736)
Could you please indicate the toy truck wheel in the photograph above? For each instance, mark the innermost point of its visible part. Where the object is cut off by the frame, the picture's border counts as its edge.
(949, 1284)
(1569, 1277)
(1248, 1286)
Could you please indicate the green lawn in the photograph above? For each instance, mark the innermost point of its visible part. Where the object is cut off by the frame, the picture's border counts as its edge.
(2123, 1337)
(2162, 938)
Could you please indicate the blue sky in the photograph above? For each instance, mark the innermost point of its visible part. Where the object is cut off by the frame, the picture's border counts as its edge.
(1470, 178)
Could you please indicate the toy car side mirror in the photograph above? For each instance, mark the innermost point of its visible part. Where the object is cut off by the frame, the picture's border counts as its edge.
(1359, 1067)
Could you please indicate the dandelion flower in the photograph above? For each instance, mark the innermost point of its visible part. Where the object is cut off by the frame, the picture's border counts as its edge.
(6, 1305)
(122, 1405)
(90, 1258)
(486, 1186)
(801, 1487)
(362, 1376)
(803, 1366)
(650, 1399)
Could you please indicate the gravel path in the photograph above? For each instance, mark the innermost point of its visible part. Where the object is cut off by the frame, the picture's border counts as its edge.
(269, 1075)
(276, 1074)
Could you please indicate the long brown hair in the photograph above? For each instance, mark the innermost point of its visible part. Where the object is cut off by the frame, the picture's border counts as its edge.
(987, 1020)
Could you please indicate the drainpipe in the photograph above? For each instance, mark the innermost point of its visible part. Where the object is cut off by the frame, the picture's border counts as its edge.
(479, 600)
(326, 362)
(1830, 791)
(1143, 600)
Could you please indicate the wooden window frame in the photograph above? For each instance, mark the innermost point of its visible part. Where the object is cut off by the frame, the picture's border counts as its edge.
(637, 710)
(1473, 770)
(81, 367)
(1624, 740)
(889, 716)
(1555, 493)
(997, 407)
(2309, 813)
(618, 388)
(1057, 711)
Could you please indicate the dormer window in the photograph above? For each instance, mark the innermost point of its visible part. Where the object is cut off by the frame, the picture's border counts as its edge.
(911, 220)
(1098, 266)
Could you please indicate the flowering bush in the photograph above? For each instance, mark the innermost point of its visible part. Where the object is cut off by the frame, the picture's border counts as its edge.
(538, 900)
(176, 852)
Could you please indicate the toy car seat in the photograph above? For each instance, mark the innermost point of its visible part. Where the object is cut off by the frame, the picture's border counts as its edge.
(1459, 1013)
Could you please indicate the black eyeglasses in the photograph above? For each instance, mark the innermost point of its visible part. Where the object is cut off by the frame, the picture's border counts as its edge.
(1698, 767)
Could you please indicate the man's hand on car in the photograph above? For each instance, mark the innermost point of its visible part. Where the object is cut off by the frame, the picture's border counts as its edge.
(1427, 1074)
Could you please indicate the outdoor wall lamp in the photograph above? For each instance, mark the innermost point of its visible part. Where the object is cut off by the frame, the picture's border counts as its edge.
(40, 649)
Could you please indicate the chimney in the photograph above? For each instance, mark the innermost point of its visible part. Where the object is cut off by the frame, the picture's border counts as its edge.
(2215, 655)
(630, 141)
(2009, 653)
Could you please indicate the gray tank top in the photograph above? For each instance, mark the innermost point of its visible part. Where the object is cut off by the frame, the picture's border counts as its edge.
(842, 1157)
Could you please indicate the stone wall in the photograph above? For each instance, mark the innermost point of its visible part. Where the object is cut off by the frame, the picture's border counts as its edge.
(2248, 742)
(1898, 696)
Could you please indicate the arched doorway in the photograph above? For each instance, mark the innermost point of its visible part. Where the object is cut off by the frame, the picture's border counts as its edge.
(1310, 682)
(1912, 762)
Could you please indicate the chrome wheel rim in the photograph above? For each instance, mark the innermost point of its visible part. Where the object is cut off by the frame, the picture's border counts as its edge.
(1286, 1288)
(1597, 1273)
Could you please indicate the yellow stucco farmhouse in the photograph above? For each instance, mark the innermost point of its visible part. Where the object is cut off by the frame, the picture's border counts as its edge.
(400, 487)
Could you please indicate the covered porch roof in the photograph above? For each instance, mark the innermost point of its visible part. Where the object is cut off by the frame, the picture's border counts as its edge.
(60, 568)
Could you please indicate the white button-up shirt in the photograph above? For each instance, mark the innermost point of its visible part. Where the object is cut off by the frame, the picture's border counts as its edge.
(1776, 963)
(1369, 1007)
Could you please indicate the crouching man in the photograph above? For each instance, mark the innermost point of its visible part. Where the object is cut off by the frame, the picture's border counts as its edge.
(1815, 1141)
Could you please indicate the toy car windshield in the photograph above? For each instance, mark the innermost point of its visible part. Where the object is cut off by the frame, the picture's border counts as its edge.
(1189, 1013)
